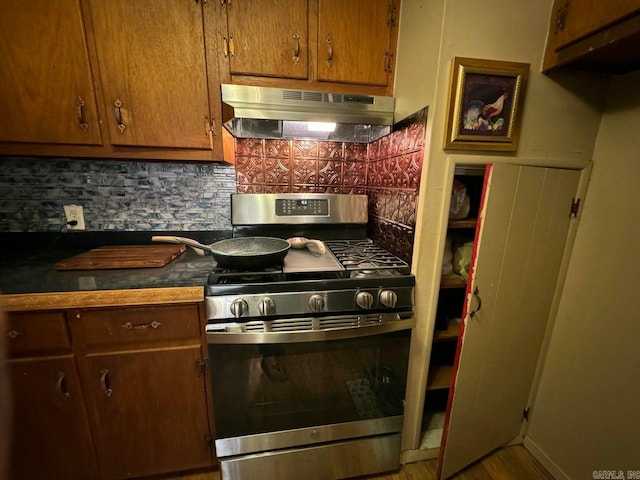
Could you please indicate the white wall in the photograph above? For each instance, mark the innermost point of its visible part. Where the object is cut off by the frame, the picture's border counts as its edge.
(560, 120)
(586, 415)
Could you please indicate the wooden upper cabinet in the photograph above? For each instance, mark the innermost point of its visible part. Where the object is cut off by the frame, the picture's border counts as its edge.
(151, 61)
(268, 38)
(576, 19)
(356, 41)
(47, 90)
(594, 36)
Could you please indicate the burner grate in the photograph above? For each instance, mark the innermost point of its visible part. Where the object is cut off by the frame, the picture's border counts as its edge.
(365, 255)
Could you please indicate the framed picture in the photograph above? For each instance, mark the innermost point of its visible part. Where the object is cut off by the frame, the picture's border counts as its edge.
(485, 103)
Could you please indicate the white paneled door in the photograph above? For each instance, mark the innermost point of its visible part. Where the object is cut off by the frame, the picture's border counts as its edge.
(524, 223)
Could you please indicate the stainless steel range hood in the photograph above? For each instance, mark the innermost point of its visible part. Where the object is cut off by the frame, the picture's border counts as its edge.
(263, 112)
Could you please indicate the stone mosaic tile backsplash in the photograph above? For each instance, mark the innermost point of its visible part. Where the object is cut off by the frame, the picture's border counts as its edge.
(115, 195)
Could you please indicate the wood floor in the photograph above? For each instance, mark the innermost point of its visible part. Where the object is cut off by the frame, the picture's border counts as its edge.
(509, 463)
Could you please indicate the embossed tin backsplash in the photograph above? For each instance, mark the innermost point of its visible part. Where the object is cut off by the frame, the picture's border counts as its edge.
(387, 170)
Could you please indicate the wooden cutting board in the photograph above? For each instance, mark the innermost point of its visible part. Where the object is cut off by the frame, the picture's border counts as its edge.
(122, 256)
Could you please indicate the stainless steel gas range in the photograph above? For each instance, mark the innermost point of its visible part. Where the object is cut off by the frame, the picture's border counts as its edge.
(308, 359)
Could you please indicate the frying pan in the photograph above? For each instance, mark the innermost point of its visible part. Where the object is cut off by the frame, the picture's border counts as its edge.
(241, 252)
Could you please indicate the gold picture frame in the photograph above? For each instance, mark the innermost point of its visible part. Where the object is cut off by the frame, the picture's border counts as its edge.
(485, 104)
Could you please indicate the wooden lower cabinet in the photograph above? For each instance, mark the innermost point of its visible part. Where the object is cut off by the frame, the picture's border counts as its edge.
(50, 426)
(109, 393)
(149, 411)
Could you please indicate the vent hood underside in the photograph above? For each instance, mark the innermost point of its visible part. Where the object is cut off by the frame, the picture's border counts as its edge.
(262, 112)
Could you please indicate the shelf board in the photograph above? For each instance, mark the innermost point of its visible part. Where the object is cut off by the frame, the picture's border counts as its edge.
(452, 280)
(451, 333)
(464, 223)
(440, 377)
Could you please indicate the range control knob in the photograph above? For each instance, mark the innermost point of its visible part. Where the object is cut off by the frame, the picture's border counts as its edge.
(316, 302)
(388, 298)
(267, 306)
(239, 307)
(364, 300)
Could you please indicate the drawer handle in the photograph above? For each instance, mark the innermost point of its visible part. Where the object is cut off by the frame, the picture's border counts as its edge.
(142, 326)
(14, 334)
(104, 382)
(61, 385)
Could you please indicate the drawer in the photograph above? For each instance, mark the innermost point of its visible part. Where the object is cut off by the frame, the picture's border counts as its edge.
(128, 325)
(36, 331)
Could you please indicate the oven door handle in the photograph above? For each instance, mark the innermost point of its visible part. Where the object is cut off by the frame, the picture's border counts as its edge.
(219, 334)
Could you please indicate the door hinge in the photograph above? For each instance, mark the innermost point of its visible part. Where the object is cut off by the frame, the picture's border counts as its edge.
(208, 440)
(525, 414)
(391, 15)
(575, 205)
(209, 125)
(203, 366)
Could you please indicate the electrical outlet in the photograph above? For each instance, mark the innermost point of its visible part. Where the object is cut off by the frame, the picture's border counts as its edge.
(74, 212)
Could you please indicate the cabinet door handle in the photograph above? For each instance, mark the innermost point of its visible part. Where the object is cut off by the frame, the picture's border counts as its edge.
(61, 385)
(14, 334)
(232, 47)
(296, 50)
(118, 112)
(225, 47)
(475, 303)
(141, 326)
(329, 51)
(104, 382)
(80, 110)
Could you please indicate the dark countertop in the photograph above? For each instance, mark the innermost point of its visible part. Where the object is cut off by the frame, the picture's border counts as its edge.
(28, 259)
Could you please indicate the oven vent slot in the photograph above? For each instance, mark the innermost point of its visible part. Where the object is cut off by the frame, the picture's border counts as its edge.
(291, 325)
(254, 327)
(283, 325)
(371, 320)
(314, 324)
(338, 322)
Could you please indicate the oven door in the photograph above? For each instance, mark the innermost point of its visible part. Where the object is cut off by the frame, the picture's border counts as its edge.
(276, 390)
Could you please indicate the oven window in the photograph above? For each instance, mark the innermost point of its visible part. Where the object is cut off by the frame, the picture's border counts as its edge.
(272, 387)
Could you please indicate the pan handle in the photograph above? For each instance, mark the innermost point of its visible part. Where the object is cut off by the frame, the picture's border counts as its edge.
(198, 247)
(302, 242)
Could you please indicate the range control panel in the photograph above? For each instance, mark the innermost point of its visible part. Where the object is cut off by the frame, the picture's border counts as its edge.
(250, 209)
(289, 207)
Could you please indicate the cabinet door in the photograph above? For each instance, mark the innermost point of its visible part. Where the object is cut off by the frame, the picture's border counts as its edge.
(579, 18)
(50, 426)
(268, 38)
(354, 41)
(45, 79)
(150, 411)
(523, 230)
(151, 59)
